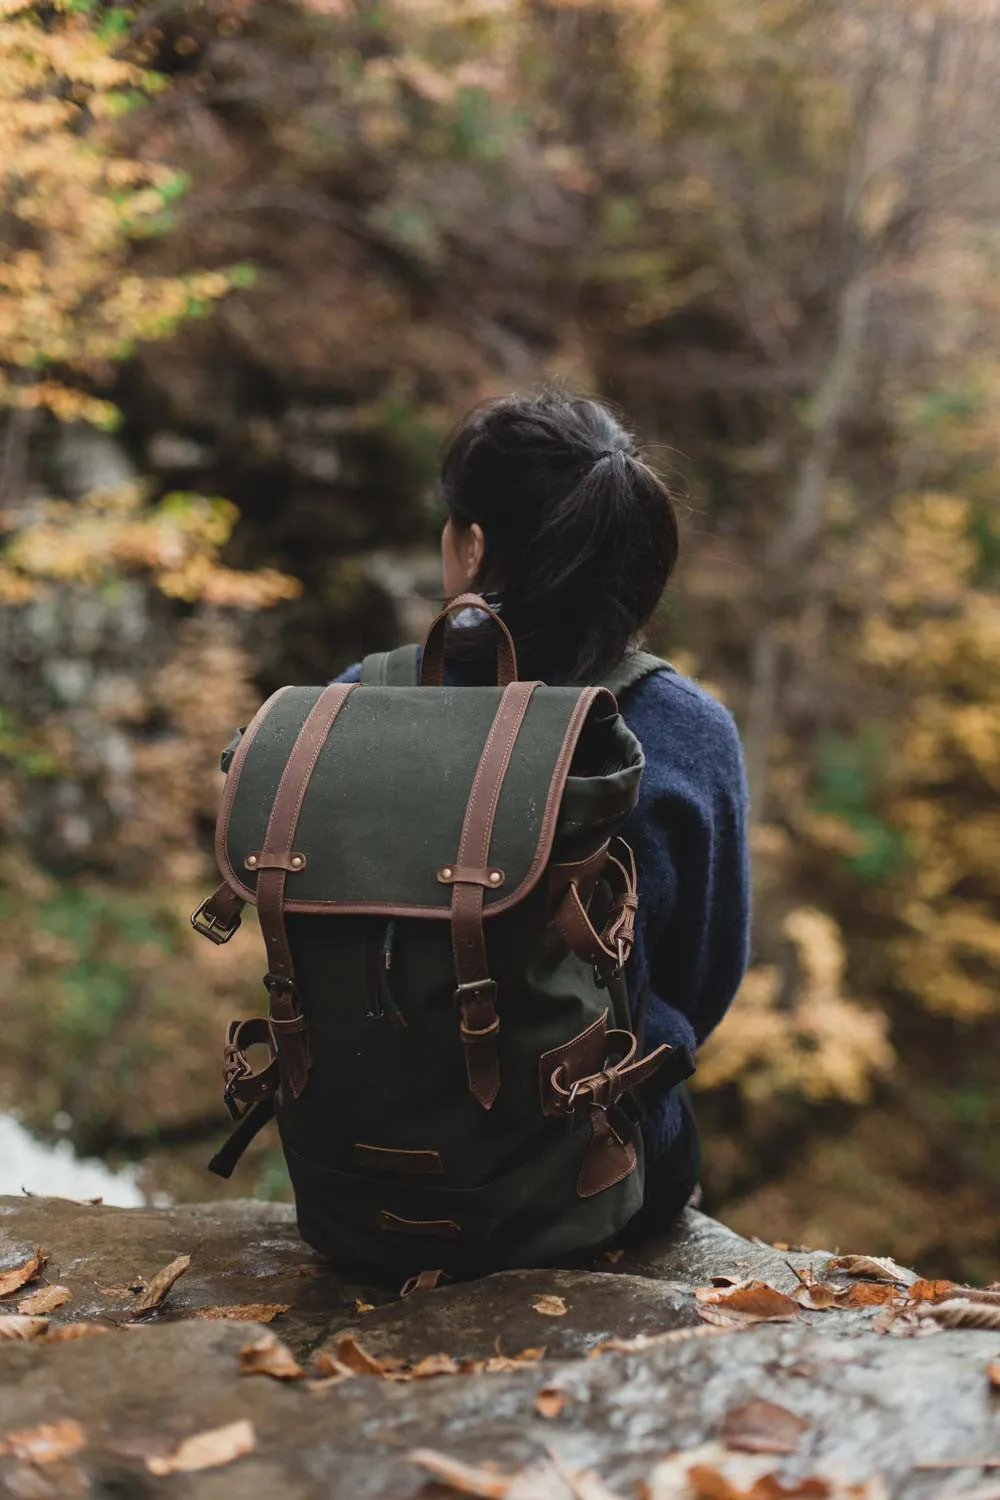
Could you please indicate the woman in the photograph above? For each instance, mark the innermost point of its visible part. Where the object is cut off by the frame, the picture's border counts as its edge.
(554, 514)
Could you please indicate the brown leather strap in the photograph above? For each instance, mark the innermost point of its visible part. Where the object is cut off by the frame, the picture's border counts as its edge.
(432, 661)
(611, 948)
(218, 916)
(244, 1086)
(476, 992)
(288, 1024)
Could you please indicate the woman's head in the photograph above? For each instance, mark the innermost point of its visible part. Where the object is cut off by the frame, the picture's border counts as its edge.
(551, 505)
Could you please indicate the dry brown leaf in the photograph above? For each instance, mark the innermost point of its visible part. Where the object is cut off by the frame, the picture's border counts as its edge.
(931, 1291)
(612, 1256)
(244, 1312)
(550, 1401)
(329, 1371)
(47, 1443)
(466, 1478)
(19, 1276)
(993, 1373)
(959, 1312)
(874, 1268)
(45, 1300)
(267, 1355)
(64, 1333)
(651, 1340)
(205, 1450)
(499, 1364)
(712, 1472)
(977, 1294)
(363, 1307)
(351, 1354)
(762, 1427)
(752, 1304)
(160, 1285)
(550, 1306)
(22, 1326)
(870, 1294)
(432, 1364)
(723, 1286)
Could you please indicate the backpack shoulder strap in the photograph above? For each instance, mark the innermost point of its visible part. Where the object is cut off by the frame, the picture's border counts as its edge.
(632, 669)
(399, 668)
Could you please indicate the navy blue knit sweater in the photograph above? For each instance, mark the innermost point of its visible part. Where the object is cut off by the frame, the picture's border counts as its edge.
(688, 831)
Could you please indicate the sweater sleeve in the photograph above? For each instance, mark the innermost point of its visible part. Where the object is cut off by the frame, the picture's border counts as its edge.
(696, 836)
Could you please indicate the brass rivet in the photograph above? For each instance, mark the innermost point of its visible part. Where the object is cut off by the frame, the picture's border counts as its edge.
(296, 861)
(251, 860)
(495, 877)
(446, 873)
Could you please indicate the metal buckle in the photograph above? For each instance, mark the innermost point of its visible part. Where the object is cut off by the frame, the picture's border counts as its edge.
(485, 987)
(211, 926)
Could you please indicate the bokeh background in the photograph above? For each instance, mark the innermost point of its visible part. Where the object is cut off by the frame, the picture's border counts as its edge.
(257, 258)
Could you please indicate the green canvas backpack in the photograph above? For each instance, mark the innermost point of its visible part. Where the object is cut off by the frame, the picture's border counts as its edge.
(448, 910)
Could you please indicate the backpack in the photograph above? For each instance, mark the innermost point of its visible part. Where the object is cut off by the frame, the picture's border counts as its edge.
(447, 909)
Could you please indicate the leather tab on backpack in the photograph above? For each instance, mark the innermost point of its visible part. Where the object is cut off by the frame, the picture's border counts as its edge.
(441, 1229)
(388, 1159)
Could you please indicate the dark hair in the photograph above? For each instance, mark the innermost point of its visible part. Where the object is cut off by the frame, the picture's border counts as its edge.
(580, 533)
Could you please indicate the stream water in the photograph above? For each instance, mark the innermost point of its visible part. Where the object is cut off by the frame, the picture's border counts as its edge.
(33, 1166)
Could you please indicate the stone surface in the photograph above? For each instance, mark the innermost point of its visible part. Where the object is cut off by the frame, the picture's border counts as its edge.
(874, 1404)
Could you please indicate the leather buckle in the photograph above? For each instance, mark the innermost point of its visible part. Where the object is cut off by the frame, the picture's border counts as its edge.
(213, 927)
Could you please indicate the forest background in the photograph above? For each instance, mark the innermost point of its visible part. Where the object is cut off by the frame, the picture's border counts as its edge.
(257, 257)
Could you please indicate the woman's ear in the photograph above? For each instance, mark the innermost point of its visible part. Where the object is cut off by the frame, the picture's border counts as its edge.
(475, 551)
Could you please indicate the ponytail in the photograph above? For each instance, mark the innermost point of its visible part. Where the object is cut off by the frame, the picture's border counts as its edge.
(580, 533)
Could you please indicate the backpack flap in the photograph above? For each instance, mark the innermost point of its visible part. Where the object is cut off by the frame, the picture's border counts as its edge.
(382, 815)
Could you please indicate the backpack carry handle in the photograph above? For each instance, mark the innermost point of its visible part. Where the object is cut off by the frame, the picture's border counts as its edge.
(432, 666)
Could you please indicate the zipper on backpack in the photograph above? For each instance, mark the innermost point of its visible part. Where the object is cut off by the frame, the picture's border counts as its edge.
(380, 950)
(374, 1010)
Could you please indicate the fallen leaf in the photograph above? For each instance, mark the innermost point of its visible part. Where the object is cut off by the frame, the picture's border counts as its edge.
(709, 1484)
(329, 1371)
(45, 1300)
(267, 1355)
(465, 1478)
(903, 1323)
(205, 1450)
(351, 1354)
(751, 1304)
(499, 1364)
(993, 1373)
(873, 1268)
(651, 1340)
(47, 1443)
(433, 1364)
(869, 1294)
(977, 1294)
(612, 1256)
(762, 1427)
(363, 1307)
(20, 1326)
(64, 1333)
(550, 1401)
(723, 1286)
(931, 1291)
(425, 1281)
(244, 1312)
(811, 1292)
(711, 1472)
(550, 1306)
(19, 1276)
(962, 1313)
(160, 1285)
